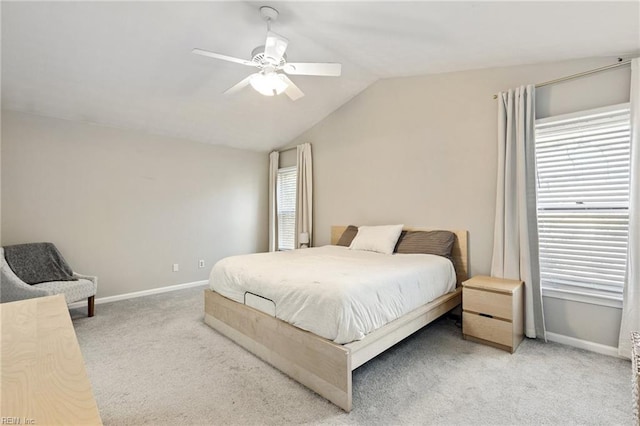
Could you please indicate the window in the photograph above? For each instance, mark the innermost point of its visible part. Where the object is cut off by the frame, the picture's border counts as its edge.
(286, 205)
(583, 203)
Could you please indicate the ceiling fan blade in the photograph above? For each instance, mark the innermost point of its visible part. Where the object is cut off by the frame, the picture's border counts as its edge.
(292, 91)
(274, 47)
(224, 57)
(235, 89)
(309, 68)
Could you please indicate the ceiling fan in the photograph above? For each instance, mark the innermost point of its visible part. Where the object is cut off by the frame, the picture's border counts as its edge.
(270, 59)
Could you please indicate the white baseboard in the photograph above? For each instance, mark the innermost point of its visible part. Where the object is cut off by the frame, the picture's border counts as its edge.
(583, 344)
(142, 293)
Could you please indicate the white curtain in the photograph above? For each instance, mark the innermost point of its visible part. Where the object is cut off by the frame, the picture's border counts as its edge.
(515, 241)
(274, 159)
(304, 193)
(631, 294)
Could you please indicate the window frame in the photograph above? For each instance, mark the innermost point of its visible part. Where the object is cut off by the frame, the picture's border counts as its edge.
(574, 294)
(283, 170)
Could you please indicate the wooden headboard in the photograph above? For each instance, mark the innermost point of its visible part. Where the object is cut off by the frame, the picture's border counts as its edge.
(459, 253)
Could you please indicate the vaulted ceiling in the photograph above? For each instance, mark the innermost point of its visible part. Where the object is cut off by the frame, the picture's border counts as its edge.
(129, 64)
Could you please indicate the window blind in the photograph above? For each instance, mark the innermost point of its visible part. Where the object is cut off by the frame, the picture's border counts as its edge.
(286, 207)
(583, 200)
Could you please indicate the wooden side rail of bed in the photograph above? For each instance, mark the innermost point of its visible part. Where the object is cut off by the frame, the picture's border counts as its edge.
(320, 364)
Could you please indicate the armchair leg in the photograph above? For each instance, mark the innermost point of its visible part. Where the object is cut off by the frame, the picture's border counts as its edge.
(90, 305)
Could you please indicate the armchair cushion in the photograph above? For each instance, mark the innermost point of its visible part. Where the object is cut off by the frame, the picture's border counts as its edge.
(72, 290)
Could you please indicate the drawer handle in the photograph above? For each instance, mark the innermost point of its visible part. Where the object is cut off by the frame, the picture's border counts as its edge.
(486, 315)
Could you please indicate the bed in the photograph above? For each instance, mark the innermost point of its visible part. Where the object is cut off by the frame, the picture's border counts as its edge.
(322, 363)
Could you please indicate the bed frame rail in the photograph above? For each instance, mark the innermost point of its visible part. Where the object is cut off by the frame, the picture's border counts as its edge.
(383, 338)
(317, 363)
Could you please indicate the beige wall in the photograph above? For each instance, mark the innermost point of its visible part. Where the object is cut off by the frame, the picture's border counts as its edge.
(0, 180)
(288, 158)
(422, 151)
(126, 205)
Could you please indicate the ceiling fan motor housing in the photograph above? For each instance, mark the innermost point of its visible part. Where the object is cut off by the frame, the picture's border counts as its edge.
(257, 56)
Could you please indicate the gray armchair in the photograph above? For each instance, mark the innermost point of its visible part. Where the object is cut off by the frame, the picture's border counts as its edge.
(13, 288)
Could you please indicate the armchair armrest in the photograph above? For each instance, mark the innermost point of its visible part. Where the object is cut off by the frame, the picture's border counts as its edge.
(13, 288)
(91, 278)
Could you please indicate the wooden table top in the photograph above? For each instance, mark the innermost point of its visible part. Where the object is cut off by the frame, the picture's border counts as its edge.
(43, 380)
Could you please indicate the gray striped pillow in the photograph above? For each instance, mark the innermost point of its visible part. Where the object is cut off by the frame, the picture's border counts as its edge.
(347, 236)
(426, 242)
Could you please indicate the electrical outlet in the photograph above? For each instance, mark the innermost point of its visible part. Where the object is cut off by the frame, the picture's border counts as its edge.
(201, 263)
(176, 267)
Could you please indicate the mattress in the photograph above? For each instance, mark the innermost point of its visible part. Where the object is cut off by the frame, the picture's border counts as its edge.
(332, 291)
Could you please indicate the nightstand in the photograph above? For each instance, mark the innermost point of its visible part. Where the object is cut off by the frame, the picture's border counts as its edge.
(492, 312)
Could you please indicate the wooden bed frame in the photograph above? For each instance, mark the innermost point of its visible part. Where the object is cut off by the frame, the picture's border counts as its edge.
(320, 364)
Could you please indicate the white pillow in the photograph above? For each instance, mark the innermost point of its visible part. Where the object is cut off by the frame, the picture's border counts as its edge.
(381, 239)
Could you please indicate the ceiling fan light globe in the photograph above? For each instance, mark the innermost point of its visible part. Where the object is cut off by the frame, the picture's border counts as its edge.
(268, 84)
(260, 85)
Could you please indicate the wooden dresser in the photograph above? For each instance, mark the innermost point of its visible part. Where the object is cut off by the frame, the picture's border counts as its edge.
(492, 312)
(43, 378)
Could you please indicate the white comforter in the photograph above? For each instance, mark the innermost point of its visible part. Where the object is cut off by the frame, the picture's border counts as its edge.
(333, 292)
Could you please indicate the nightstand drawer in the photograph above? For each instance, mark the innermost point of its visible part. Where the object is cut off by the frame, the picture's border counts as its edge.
(490, 329)
(487, 302)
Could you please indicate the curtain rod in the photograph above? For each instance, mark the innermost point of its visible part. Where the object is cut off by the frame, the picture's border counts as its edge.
(620, 63)
(288, 149)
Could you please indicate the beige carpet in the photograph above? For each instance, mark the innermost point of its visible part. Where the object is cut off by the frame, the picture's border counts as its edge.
(152, 361)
